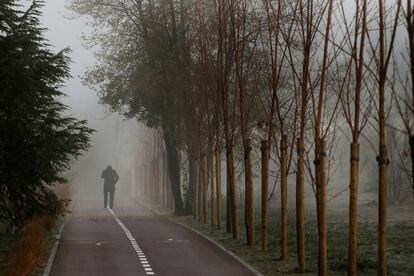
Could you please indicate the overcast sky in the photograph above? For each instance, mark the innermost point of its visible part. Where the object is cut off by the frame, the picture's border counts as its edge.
(65, 31)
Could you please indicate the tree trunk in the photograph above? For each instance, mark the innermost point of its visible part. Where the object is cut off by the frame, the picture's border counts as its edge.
(232, 192)
(174, 172)
(265, 188)
(218, 187)
(168, 183)
(192, 179)
(172, 203)
(200, 190)
(353, 204)
(153, 197)
(249, 207)
(144, 171)
(132, 181)
(148, 182)
(300, 207)
(323, 226)
(283, 200)
(205, 188)
(169, 192)
(212, 195)
(412, 156)
(228, 198)
(382, 211)
(163, 186)
(165, 177)
(156, 182)
(139, 180)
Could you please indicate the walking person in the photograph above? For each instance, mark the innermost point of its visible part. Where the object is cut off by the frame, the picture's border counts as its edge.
(110, 178)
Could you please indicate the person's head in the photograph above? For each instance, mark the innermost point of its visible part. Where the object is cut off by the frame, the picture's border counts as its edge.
(109, 167)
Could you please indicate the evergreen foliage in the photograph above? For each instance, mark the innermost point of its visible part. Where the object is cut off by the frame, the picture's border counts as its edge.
(37, 139)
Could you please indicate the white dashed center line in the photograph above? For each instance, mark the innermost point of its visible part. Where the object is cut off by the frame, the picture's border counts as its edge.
(144, 262)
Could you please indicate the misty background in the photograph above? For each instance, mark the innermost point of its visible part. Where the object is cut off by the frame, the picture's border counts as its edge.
(117, 141)
(113, 140)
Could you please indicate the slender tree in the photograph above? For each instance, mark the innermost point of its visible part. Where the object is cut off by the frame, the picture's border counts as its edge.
(278, 35)
(351, 84)
(320, 150)
(382, 53)
(245, 57)
(405, 99)
(223, 67)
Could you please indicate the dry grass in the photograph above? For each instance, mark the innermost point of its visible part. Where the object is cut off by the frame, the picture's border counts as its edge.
(30, 250)
(26, 252)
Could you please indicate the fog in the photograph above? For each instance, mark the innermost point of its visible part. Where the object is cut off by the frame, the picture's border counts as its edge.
(116, 140)
(247, 115)
(114, 135)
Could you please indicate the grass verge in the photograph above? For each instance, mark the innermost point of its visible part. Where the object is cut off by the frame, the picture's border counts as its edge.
(400, 245)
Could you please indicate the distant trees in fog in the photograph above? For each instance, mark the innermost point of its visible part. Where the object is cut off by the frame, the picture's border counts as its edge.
(228, 78)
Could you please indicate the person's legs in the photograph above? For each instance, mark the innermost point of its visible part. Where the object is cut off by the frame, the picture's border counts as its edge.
(111, 198)
(105, 198)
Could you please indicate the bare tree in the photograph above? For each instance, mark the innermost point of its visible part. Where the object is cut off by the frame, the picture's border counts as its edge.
(351, 86)
(405, 99)
(320, 149)
(277, 36)
(245, 37)
(308, 22)
(382, 53)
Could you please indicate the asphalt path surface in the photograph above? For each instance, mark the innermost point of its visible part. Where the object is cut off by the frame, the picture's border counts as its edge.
(132, 240)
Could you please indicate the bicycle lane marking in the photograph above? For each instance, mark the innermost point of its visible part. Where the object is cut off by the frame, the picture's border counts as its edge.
(142, 258)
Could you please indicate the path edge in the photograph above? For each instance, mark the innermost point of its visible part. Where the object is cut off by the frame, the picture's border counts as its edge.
(53, 252)
(58, 236)
(237, 258)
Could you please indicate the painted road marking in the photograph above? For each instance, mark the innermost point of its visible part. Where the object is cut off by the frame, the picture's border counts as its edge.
(144, 262)
(174, 241)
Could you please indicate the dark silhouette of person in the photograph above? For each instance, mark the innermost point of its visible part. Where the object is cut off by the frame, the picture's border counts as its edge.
(110, 178)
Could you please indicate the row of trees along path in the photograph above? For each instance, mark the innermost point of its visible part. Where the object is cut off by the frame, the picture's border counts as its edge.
(220, 80)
